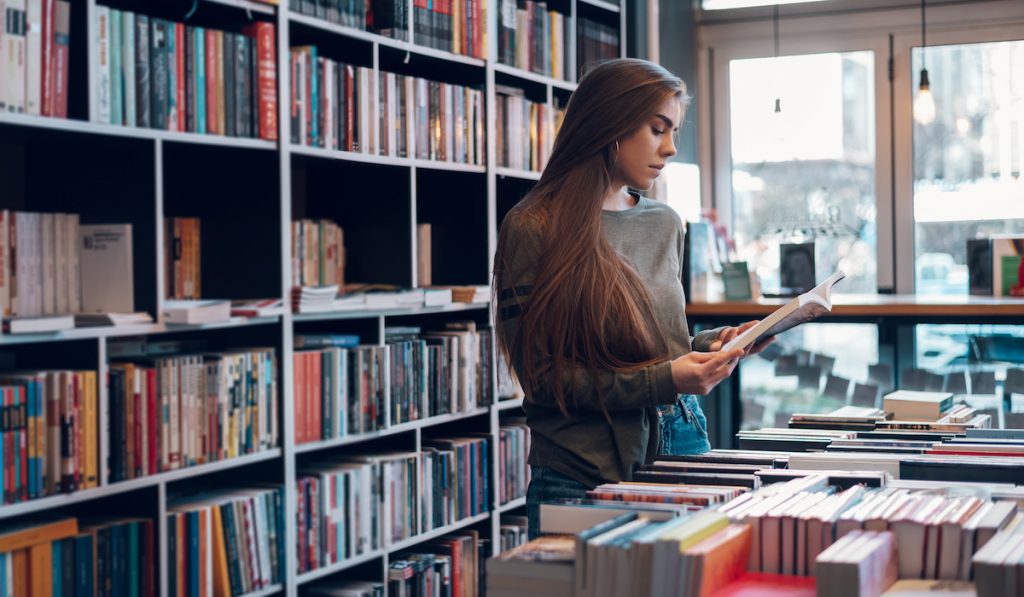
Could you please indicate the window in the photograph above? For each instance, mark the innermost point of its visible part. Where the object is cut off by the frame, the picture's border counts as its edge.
(805, 172)
(968, 162)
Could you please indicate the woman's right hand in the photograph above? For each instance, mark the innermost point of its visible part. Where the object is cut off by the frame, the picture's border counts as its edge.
(699, 372)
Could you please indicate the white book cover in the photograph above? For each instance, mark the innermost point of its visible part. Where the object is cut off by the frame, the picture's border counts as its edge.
(367, 98)
(3, 59)
(60, 253)
(73, 247)
(49, 262)
(106, 268)
(101, 90)
(33, 57)
(15, 66)
(195, 311)
(807, 307)
(36, 263)
(127, 73)
(5, 257)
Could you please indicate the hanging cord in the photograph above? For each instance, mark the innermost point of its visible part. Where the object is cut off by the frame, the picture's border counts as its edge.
(775, 22)
(775, 26)
(924, 44)
(192, 11)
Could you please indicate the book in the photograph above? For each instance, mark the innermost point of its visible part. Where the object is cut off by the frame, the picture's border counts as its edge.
(86, 320)
(860, 563)
(736, 281)
(807, 307)
(257, 308)
(43, 324)
(105, 263)
(195, 312)
(905, 405)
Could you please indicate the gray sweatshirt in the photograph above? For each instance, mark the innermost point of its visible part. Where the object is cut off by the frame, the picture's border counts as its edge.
(584, 446)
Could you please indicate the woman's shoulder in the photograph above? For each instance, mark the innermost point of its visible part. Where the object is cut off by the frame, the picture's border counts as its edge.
(661, 212)
(523, 224)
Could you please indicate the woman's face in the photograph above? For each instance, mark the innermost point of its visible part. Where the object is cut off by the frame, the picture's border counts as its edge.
(642, 153)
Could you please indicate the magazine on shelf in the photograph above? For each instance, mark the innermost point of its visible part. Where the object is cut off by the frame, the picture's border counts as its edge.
(807, 307)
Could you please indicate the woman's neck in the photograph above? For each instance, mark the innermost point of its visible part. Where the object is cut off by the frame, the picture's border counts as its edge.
(618, 199)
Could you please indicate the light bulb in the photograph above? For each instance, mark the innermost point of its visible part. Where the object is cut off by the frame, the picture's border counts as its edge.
(924, 104)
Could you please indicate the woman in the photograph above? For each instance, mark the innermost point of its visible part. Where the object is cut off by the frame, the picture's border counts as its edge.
(590, 307)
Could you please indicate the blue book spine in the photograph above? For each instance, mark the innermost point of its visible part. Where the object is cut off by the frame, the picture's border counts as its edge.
(200, 74)
(118, 560)
(58, 570)
(33, 462)
(134, 559)
(84, 566)
(173, 109)
(3, 575)
(40, 428)
(314, 98)
(193, 553)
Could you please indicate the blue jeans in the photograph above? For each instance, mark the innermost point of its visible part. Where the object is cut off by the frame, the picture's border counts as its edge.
(684, 428)
(548, 485)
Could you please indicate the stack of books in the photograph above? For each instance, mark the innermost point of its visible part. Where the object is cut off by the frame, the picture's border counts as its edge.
(543, 567)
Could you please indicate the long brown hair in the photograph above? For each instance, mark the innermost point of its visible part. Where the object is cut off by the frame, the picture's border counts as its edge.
(587, 308)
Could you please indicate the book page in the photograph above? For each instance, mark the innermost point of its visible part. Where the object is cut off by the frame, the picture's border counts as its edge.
(807, 307)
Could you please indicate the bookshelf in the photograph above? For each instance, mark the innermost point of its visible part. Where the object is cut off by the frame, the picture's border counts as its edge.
(246, 191)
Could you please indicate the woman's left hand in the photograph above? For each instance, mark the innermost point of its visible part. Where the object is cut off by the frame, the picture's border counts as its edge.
(729, 333)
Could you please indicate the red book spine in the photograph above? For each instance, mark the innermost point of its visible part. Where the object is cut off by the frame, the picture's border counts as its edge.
(300, 514)
(266, 78)
(179, 57)
(77, 429)
(46, 78)
(211, 82)
(151, 413)
(315, 378)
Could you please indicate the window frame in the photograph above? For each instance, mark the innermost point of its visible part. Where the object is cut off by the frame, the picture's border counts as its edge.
(841, 26)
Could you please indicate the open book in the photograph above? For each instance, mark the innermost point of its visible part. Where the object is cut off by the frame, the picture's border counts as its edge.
(807, 307)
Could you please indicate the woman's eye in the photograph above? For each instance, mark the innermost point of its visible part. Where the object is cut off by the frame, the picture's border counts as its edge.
(657, 132)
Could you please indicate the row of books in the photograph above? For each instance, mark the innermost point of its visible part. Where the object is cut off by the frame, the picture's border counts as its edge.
(42, 258)
(35, 39)
(512, 532)
(347, 389)
(358, 297)
(358, 15)
(225, 543)
(458, 26)
(338, 513)
(357, 505)
(183, 258)
(174, 412)
(595, 42)
(318, 253)
(455, 479)
(820, 524)
(332, 105)
(451, 566)
(533, 38)
(513, 470)
(59, 555)
(154, 73)
(48, 434)
(526, 129)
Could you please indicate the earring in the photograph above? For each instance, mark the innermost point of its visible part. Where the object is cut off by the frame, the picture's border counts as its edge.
(616, 160)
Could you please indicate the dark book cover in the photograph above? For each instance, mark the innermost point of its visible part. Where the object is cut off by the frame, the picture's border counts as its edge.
(158, 74)
(142, 83)
(979, 266)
